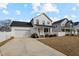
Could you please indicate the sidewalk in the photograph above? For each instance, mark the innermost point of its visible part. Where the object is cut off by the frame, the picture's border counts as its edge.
(28, 47)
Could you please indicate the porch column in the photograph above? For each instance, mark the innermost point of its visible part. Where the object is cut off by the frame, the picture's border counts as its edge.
(48, 30)
(43, 32)
(39, 32)
(76, 32)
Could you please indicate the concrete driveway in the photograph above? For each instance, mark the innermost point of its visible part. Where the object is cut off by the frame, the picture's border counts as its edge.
(27, 47)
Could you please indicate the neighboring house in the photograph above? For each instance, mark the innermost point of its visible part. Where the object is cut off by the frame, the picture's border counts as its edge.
(76, 27)
(63, 27)
(21, 29)
(42, 25)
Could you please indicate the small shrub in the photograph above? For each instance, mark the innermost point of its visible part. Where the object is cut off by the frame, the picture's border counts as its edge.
(67, 34)
(50, 35)
(12, 37)
(34, 35)
(72, 35)
(54, 35)
(46, 35)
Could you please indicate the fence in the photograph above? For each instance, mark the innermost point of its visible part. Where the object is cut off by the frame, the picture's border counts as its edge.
(4, 36)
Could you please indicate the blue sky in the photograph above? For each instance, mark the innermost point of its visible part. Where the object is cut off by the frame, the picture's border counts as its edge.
(26, 11)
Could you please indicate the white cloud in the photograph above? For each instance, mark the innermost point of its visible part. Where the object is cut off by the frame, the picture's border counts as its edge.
(54, 19)
(12, 18)
(73, 16)
(46, 7)
(35, 7)
(3, 5)
(28, 20)
(25, 5)
(77, 4)
(74, 8)
(66, 16)
(18, 12)
(70, 17)
(5, 12)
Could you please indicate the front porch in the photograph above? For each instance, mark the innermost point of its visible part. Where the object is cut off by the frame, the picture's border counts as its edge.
(76, 31)
(68, 31)
(43, 30)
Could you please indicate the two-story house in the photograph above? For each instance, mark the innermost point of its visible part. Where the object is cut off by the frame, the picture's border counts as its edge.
(62, 27)
(42, 25)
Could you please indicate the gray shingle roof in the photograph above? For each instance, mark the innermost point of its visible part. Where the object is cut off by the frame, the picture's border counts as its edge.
(21, 24)
(60, 21)
(76, 23)
(44, 25)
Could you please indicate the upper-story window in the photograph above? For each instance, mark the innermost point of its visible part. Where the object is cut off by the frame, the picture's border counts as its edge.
(48, 22)
(43, 22)
(37, 22)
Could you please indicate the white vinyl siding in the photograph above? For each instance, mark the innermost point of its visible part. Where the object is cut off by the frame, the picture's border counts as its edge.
(41, 19)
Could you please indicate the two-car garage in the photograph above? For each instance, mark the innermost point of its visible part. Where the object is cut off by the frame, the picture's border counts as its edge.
(21, 29)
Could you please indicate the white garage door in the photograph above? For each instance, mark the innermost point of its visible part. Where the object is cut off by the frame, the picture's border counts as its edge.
(22, 33)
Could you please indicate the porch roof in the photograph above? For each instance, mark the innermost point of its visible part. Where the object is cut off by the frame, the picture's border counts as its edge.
(44, 25)
(67, 28)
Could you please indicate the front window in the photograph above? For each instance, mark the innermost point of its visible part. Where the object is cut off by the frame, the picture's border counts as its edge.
(78, 30)
(66, 30)
(48, 22)
(45, 29)
(37, 22)
(63, 30)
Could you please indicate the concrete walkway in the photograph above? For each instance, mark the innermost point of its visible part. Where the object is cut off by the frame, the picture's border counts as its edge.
(27, 47)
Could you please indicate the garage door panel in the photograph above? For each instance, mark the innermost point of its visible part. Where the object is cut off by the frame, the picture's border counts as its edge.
(22, 33)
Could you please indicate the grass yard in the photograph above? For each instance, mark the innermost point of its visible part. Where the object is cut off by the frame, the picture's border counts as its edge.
(7, 40)
(68, 45)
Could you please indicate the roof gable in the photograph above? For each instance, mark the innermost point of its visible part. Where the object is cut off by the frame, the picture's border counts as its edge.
(69, 23)
(40, 15)
(59, 21)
